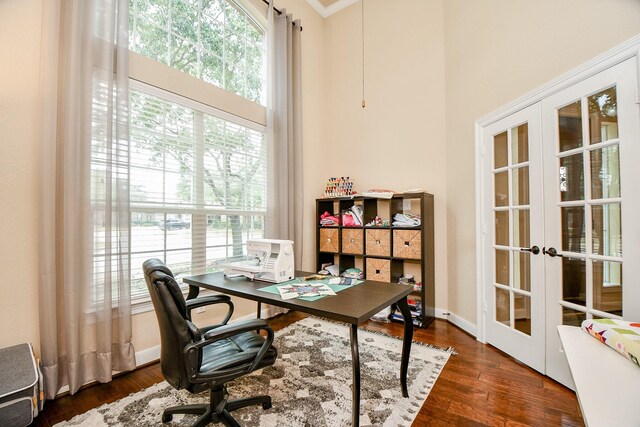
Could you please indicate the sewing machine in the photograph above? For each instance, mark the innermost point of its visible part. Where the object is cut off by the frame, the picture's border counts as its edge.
(269, 260)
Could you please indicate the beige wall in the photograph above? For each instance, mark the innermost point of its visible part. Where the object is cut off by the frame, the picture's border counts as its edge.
(19, 120)
(398, 140)
(497, 51)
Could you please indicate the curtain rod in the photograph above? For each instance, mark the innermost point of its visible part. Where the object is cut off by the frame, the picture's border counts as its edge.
(279, 12)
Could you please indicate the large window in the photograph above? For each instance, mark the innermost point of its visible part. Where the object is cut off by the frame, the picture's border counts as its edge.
(196, 168)
(198, 184)
(214, 40)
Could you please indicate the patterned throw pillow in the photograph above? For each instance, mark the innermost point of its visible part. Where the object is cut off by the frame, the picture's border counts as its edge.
(622, 336)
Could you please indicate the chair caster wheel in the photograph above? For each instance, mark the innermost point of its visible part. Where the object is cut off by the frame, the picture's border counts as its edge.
(166, 418)
(266, 405)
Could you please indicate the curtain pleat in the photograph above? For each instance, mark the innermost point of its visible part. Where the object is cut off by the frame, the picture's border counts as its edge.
(84, 291)
(284, 133)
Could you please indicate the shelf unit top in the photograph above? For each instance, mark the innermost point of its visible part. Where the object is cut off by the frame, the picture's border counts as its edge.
(360, 197)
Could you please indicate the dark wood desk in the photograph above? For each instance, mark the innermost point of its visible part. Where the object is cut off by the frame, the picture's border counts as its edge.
(353, 305)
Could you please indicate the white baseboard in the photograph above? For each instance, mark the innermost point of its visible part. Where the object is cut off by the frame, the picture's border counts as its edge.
(147, 355)
(461, 323)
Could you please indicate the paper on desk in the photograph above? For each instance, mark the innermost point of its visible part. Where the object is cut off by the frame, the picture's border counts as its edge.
(309, 289)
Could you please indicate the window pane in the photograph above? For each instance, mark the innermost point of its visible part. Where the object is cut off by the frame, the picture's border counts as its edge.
(151, 41)
(572, 317)
(607, 229)
(146, 232)
(574, 281)
(522, 270)
(603, 116)
(570, 126)
(500, 151)
(521, 228)
(216, 258)
(607, 286)
(522, 313)
(179, 262)
(503, 307)
(502, 188)
(605, 173)
(502, 267)
(573, 229)
(177, 231)
(138, 285)
(212, 40)
(520, 183)
(571, 178)
(520, 144)
(502, 228)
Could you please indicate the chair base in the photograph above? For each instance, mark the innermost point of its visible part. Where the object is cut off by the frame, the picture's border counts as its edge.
(209, 414)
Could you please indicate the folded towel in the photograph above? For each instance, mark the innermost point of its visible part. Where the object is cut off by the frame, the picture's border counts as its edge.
(622, 336)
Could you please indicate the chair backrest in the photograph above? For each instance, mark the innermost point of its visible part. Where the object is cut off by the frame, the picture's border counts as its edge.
(175, 328)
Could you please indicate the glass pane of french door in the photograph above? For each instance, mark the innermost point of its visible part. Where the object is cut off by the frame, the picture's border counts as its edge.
(591, 152)
(590, 206)
(512, 228)
(513, 186)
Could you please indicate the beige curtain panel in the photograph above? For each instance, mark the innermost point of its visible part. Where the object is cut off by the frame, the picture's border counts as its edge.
(284, 130)
(84, 289)
(284, 133)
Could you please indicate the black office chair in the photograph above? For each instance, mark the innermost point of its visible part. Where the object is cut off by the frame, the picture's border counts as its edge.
(198, 359)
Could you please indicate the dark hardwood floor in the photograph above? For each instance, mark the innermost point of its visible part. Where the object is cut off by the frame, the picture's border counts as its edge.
(479, 386)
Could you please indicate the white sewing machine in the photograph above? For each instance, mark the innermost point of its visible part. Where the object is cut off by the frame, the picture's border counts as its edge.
(270, 260)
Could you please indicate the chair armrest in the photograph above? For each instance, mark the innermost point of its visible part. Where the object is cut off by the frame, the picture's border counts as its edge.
(193, 350)
(210, 300)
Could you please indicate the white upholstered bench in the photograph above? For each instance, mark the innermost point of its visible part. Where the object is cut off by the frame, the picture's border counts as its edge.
(607, 384)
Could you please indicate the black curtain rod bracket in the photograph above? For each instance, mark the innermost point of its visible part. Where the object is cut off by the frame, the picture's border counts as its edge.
(279, 12)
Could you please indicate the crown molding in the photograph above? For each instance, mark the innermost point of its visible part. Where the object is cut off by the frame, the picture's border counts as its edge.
(335, 7)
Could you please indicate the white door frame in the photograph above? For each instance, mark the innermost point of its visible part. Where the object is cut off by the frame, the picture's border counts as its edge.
(620, 53)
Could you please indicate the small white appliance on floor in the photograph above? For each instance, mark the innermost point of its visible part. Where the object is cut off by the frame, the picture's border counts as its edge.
(271, 260)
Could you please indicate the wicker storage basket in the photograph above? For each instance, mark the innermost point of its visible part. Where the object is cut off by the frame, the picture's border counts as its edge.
(378, 242)
(407, 244)
(352, 241)
(379, 270)
(329, 240)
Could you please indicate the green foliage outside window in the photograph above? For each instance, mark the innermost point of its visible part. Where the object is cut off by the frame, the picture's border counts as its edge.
(214, 40)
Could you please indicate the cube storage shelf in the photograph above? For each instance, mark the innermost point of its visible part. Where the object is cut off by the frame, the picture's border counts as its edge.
(384, 253)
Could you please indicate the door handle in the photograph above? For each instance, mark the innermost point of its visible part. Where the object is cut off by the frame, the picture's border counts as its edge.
(552, 252)
(534, 250)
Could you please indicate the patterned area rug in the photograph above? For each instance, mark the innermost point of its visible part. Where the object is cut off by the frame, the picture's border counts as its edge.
(310, 384)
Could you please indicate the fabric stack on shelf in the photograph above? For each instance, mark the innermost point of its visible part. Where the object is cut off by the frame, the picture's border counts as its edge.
(353, 216)
(406, 220)
(407, 279)
(353, 273)
(326, 219)
(380, 193)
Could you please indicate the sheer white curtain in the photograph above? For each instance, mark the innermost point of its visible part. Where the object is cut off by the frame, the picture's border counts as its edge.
(84, 292)
(284, 130)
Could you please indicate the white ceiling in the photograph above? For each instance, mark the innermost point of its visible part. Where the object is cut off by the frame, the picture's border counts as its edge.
(328, 7)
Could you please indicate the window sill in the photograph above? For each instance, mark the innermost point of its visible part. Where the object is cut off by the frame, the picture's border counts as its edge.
(143, 304)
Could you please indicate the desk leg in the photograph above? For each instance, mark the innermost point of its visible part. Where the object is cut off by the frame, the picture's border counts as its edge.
(406, 344)
(355, 365)
(193, 292)
(259, 310)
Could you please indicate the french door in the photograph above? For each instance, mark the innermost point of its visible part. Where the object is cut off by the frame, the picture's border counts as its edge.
(591, 162)
(514, 235)
(561, 208)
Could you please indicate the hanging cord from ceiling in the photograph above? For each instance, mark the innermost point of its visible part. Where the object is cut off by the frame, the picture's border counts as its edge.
(362, 20)
(279, 12)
